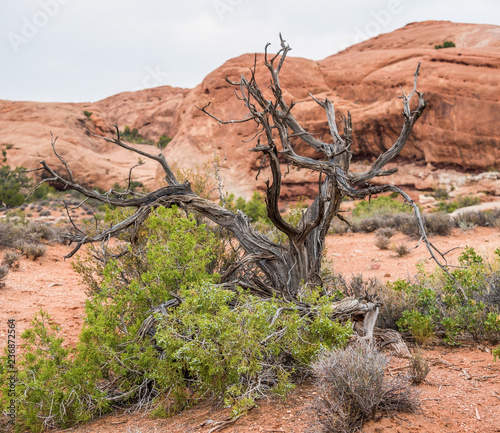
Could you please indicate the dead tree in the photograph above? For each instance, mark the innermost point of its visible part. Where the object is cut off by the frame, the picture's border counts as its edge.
(283, 267)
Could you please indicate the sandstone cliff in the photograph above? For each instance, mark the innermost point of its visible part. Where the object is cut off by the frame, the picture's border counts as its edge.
(458, 127)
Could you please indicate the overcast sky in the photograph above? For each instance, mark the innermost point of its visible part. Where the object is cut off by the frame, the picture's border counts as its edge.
(86, 50)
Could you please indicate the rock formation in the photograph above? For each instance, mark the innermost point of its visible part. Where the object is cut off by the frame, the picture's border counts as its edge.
(458, 128)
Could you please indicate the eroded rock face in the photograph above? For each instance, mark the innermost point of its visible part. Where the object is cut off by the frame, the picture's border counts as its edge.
(458, 127)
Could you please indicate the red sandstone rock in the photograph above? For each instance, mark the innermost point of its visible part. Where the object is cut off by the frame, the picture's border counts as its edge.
(458, 127)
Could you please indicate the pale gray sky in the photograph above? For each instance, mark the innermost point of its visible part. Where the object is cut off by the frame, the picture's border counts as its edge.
(86, 50)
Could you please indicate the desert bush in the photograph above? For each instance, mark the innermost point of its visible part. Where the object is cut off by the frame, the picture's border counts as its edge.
(7, 235)
(163, 141)
(488, 218)
(419, 325)
(357, 286)
(225, 344)
(446, 44)
(4, 270)
(51, 389)
(45, 213)
(440, 193)
(438, 224)
(37, 231)
(419, 367)
(353, 388)
(32, 250)
(12, 184)
(383, 205)
(338, 227)
(402, 250)
(133, 136)
(11, 259)
(396, 298)
(435, 224)
(16, 236)
(382, 242)
(385, 232)
(463, 201)
(463, 304)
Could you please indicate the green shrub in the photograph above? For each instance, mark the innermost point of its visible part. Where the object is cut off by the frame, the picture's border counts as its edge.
(460, 202)
(383, 205)
(163, 141)
(236, 347)
(203, 341)
(464, 304)
(255, 208)
(88, 114)
(419, 325)
(446, 44)
(496, 353)
(133, 136)
(12, 184)
(51, 389)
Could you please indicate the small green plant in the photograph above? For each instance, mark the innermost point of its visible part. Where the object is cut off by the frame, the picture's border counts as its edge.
(460, 202)
(12, 185)
(88, 114)
(163, 141)
(51, 389)
(462, 304)
(133, 136)
(446, 44)
(419, 325)
(255, 208)
(496, 353)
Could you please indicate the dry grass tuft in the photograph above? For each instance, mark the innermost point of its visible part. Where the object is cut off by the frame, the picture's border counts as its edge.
(402, 250)
(419, 368)
(353, 388)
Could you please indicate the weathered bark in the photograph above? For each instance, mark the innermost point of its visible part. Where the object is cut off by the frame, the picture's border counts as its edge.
(284, 268)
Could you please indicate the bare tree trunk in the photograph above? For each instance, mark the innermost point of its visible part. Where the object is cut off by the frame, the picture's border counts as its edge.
(283, 268)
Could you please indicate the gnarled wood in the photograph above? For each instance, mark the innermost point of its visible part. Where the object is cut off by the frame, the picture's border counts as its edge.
(283, 268)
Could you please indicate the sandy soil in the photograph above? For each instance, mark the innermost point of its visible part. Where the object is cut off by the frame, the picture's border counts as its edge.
(461, 393)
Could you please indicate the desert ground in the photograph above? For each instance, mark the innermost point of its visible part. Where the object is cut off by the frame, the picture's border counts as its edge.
(461, 392)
